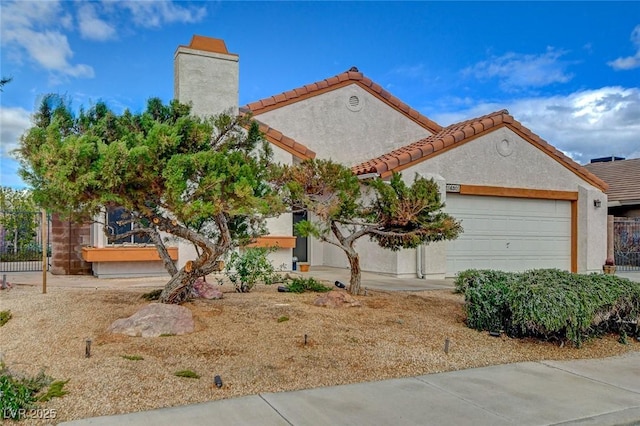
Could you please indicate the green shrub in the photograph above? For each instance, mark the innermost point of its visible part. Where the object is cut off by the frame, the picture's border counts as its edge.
(5, 316)
(187, 373)
(477, 277)
(550, 303)
(20, 392)
(300, 285)
(247, 268)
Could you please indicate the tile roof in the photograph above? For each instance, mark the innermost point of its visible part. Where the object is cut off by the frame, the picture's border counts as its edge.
(288, 144)
(353, 76)
(623, 178)
(460, 133)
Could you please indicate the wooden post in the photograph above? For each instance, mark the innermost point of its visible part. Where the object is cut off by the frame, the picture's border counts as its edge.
(45, 247)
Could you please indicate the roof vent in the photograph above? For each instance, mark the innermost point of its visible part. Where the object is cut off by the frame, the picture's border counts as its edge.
(354, 103)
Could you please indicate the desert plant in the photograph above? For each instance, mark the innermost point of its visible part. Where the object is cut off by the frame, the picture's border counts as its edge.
(283, 318)
(551, 304)
(56, 390)
(20, 392)
(5, 316)
(133, 357)
(249, 267)
(300, 285)
(187, 373)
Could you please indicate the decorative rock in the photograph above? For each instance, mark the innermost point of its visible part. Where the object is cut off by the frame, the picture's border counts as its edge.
(204, 290)
(337, 299)
(155, 319)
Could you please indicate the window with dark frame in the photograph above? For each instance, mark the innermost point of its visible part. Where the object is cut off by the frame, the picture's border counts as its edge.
(119, 214)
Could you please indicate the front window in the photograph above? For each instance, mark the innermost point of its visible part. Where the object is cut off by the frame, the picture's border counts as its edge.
(118, 223)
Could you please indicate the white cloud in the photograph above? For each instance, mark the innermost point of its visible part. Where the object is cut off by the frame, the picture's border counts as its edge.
(629, 62)
(585, 124)
(521, 71)
(150, 14)
(13, 123)
(91, 27)
(34, 28)
(39, 30)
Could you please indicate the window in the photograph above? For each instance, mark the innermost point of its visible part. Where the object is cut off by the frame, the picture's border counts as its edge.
(118, 214)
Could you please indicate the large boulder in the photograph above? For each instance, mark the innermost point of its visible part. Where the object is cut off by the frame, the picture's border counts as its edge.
(337, 299)
(204, 290)
(154, 320)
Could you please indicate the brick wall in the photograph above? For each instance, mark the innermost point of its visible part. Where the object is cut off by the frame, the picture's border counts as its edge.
(67, 239)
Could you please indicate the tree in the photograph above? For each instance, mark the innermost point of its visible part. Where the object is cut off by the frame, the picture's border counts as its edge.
(18, 219)
(202, 180)
(345, 209)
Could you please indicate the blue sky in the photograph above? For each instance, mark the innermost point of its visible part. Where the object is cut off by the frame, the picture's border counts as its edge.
(569, 71)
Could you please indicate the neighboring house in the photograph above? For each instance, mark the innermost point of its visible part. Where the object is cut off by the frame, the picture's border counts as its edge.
(523, 204)
(623, 178)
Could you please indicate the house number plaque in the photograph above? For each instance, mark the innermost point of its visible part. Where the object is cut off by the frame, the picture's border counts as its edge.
(453, 187)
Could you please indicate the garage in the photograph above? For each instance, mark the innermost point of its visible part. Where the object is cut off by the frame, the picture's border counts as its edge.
(509, 234)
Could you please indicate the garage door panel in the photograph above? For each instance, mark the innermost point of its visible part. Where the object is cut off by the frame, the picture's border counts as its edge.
(510, 234)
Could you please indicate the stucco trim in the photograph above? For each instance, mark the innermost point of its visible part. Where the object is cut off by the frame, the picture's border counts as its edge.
(125, 254)
(274, 241)
(574, 236)
(500, 191)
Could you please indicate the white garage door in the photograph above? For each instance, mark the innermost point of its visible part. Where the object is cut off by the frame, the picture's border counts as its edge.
(510, 234)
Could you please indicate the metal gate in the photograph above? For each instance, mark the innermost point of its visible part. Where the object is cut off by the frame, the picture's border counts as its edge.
(626, 243)
(21, 240)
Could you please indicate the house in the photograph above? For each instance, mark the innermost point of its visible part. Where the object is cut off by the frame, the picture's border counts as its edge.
(623, 233)
(623, 178)
(523, 204)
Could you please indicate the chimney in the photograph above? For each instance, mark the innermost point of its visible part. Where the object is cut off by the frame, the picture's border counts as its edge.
(206, 75)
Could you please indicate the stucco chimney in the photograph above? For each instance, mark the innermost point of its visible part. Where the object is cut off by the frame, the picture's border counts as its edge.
(206, 75)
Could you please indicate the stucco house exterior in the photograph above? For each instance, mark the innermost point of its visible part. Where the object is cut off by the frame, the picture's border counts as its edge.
(523, 204)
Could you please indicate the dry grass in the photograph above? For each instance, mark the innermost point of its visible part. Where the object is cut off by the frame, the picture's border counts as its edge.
(239, 338)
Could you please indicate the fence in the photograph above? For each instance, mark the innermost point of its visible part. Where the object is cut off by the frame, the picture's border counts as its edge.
(21, 240)
(626, 243)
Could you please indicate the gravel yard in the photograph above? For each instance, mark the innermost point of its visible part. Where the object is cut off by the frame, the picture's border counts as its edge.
(246, 339)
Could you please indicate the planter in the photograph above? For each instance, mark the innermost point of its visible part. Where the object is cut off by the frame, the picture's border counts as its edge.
(609, 269)
(304, 267)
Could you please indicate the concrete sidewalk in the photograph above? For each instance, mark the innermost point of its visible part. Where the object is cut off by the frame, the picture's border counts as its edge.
(583, 392)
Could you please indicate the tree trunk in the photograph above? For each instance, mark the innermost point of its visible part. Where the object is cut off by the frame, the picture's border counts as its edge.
(354, 264)
(178, 288)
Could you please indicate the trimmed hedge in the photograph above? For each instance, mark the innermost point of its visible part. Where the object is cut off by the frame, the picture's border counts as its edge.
(550, 304)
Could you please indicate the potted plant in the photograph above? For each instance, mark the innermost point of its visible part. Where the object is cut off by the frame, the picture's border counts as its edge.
(609, 266)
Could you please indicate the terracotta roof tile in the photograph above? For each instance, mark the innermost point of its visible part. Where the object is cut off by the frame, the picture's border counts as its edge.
(459, 133)
(349, 77)
(622, 176)
(277, 138)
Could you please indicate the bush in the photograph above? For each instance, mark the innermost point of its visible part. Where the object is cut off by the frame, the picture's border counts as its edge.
(550, 303)
(249, 267)
(300, 285)
(21, 393)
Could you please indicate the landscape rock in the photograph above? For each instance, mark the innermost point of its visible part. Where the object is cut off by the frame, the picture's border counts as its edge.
(155, 319)
(337, 299)
(204, 290)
